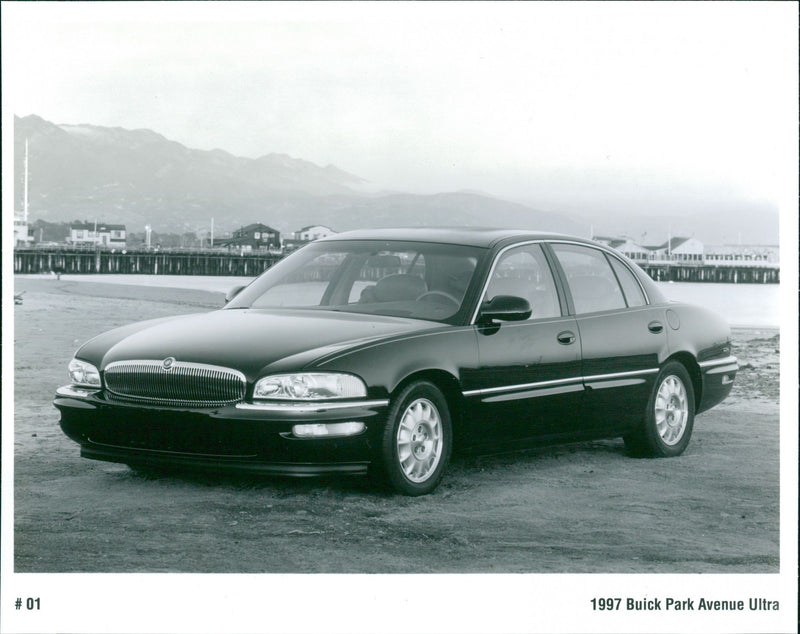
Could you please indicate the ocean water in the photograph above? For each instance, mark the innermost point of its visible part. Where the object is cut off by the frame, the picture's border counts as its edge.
(742, 305)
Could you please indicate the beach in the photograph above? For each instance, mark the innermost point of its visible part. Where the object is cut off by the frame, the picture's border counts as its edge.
(580, 508)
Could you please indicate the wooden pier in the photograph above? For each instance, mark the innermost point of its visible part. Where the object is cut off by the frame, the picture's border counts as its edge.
(142, 262)
(72, 261)
(725, 273)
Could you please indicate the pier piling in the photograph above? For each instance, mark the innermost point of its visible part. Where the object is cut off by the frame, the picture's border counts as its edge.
(83, 261)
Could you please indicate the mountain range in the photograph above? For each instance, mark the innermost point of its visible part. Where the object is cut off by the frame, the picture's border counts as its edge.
(139, 177)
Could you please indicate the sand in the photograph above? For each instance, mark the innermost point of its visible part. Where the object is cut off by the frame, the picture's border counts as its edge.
(585, 507)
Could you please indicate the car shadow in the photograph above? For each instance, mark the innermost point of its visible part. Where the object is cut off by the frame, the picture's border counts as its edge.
(277, 484)
(463, 468)
(520, 454)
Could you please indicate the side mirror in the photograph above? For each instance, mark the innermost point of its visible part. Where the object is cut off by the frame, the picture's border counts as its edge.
(233, 293)
(505, 308)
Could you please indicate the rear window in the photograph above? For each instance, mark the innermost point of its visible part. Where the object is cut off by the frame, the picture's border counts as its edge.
(633, 292)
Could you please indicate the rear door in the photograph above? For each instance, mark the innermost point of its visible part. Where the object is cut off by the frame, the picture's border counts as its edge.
(621, 336)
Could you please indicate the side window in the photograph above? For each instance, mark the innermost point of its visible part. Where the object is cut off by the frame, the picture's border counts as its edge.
(592, 283)
(631, 288)
(524, 272)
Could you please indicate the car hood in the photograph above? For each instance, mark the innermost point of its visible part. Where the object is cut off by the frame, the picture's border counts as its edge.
(251, 341)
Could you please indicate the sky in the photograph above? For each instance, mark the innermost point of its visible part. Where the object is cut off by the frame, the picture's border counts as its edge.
(638, 107)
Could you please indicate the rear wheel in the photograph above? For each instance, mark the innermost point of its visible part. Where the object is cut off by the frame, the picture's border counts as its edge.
(417, 439)
(669, 419)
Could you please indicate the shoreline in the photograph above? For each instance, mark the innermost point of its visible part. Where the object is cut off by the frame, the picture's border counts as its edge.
(208, 283)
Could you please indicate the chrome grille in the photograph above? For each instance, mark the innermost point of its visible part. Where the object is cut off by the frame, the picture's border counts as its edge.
(193, 384)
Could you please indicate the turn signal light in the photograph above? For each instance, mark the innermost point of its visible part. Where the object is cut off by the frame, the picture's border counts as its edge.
(319, 430)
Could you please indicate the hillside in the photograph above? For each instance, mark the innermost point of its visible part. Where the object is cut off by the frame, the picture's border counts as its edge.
(139, 177)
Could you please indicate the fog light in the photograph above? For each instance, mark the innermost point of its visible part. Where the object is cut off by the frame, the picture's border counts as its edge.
(317, 430)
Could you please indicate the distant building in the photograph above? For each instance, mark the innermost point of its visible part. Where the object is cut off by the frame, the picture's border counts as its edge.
(51, 233)
(97, 234)
(22, 236)
(253, 237)
(693, 251)
(743, 252)
(626, 246)
(682, 249)
(609, 241)
(674, 250)
(305, 235)
(313, 232)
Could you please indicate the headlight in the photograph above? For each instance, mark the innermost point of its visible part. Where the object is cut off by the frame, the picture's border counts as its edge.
(82, 373)
(310, 386)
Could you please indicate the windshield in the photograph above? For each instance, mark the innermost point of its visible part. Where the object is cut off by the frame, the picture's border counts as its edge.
(403, 279)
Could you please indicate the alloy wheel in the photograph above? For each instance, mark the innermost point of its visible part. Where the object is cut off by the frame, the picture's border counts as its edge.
(419, 440)
(671, 410)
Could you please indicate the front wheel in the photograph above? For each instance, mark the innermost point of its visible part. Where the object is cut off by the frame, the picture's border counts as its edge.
(417, 439)
(669, 419)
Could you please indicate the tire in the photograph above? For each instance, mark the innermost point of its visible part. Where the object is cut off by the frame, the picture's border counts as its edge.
(669, 419)
(417, 439)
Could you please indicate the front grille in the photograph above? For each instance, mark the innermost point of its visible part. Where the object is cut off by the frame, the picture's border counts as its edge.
(192, 384)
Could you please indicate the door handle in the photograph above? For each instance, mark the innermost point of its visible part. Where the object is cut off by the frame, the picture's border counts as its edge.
(565, 338)
(655, 326)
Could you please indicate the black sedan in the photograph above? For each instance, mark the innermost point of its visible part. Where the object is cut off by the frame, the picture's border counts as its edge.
(383, 350)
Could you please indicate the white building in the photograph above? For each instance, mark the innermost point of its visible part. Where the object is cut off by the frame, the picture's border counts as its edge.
(743, 253)
(22, 236)
(626, 246)
(682, 249)
(96, 234)
(313, 232)
(693, 251)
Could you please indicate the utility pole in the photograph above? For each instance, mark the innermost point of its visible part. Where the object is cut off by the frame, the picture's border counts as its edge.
(669, 241)
(25, 199)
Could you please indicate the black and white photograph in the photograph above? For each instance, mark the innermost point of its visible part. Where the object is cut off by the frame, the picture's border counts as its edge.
(457, 317)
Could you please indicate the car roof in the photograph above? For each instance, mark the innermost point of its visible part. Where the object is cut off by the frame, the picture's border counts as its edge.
(467, 236)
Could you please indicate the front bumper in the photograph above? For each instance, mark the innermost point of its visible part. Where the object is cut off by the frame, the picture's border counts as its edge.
(242, 438)
(718, 376)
